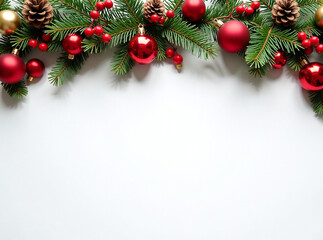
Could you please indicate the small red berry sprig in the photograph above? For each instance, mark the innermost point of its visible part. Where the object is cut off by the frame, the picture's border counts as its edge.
(309, 43)
(248, 10)
(156, 19)
(177, 58)
(43, 47)
(95, 28)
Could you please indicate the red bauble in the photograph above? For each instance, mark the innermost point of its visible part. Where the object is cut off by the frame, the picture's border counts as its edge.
(193, 10)
(143, 49)
(72, 44)
(35, 69)
(311, 76)
(12, 69)
(233, 36)
(280, 60)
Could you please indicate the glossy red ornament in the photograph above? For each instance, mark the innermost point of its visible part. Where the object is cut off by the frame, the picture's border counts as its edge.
(43, 47)
(249, 11)
(233, 36)
(72, 44)
(170, 14)
(280, 60)
(35, 69)
(33, 43)
(12, 68)
(193, 10)
(143, 48)
(240, 9)
(108, 4)
(311, 76)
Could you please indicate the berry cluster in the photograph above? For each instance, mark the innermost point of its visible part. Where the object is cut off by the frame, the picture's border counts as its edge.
(95, 14)
(309, 44)
(33, 43)
(177, 58)
(248, 10)
(156, 19)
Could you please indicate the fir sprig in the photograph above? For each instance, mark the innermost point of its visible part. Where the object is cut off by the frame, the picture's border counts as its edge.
(17, 90)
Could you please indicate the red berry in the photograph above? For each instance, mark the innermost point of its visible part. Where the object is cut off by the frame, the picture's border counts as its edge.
(178, 59)
(319, 48)
(170, 52)
(308, 50)
(98, 30)
(161, 20)
(255, 5)
(301, 36)
(314, 40)
(95, 14)
(100, 6)
(106, 38)
(240, 9)
(108, 4)
(33, 43)
(88, 32)
(43, 47)
(46, 37)
(249, 11)
(306, 43)
(9, 31)
(154, 18)
(170, 14)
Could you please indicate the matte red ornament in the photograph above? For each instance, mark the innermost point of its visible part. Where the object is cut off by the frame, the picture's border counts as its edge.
(311, 76)
(143, 48)
(35, 69)
(72, 44)
(12, 68)
(280, 60)
(233, 36)
(193, 10)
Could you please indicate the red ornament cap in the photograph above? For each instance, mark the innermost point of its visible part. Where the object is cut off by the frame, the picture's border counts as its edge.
(193, 10)
(311, 76)
(72, 44)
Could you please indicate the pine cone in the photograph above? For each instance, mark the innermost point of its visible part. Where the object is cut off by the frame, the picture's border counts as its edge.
(153, 6)
(38, 13)
(285, 12)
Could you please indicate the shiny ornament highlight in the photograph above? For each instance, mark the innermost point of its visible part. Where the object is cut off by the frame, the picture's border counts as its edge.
(72, 44)
(311, 76)
(280, 60)
(35, 69)
(10, 22)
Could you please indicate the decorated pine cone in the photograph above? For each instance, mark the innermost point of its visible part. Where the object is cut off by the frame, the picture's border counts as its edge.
(152, 7)
(38, 13)
(285, 12)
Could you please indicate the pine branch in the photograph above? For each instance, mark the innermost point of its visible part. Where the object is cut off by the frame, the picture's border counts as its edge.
(182, 34)
(132, 8)
(5, 46)
(121, 61)
(4, 5)
(17, 90)
(66, 69)
(316, 99)
(308, 7)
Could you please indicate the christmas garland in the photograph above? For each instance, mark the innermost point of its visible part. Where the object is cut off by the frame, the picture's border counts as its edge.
(267, 33)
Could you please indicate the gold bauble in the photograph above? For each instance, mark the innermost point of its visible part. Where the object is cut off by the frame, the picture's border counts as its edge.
(10, 22)
(319, 17)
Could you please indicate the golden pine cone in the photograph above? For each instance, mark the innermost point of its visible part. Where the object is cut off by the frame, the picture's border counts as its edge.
(38, 13)
(152, 7)
(285, 12)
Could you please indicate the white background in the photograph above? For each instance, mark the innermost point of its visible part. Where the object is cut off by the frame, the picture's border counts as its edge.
(208, 153)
